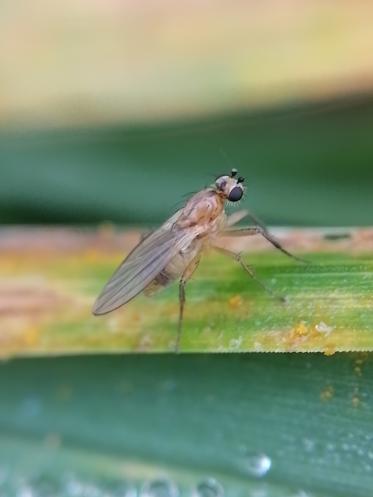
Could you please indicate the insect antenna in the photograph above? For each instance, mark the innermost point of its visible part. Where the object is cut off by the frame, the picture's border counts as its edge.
(228, 160)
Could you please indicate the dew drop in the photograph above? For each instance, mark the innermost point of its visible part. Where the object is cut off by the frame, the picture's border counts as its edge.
(73, 487)
(258, 465)
(25, 491)
(159, 488)
(208, 488)
(119, 489)
(77, 488)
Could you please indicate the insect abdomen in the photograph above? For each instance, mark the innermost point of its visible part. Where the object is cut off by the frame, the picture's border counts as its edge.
(175, 268)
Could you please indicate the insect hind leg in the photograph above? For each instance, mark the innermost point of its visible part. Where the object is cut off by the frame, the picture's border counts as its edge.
(182, 299)
(188, 272)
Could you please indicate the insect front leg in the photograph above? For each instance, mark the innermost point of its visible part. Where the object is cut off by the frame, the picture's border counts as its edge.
(249, 270)
(236, 217)
(188, 272)
(258, 230)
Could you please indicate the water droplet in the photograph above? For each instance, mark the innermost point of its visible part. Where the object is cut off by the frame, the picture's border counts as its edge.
(77, 488)
(25, 490)
(73, 487)
(258, 465)
(208, 488)
(119, 489)
(159, 488)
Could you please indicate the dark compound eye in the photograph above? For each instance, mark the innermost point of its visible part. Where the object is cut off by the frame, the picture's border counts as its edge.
(235, 194)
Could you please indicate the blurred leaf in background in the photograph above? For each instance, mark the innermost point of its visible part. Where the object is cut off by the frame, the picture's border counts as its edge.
(301, 167)
(148, 99)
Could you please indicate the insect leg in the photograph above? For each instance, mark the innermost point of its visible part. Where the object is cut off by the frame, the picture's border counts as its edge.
(182, 283)
(241, 232)
(258, 230)
(236, 217)
(249, 270)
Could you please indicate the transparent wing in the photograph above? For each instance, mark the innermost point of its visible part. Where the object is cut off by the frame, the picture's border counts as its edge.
(141, 266)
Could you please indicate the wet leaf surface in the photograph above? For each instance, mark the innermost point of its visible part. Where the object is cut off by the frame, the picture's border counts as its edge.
(243, 425)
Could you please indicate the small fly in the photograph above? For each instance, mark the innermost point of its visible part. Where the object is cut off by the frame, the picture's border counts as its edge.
(174, 250)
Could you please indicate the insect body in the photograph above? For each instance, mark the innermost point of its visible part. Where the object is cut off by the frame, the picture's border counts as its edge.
(173, 251)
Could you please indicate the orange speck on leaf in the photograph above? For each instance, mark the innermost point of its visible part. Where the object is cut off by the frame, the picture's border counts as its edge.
(300, 329)
(235, 302)
(329, 350)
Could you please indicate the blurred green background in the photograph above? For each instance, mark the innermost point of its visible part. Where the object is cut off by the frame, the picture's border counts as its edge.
(116, 110)
(301, 168)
